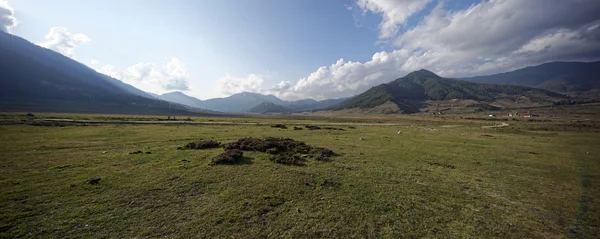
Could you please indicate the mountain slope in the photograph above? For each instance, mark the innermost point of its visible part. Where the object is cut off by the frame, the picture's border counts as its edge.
(409, 93)
(33, 78)
(181, 98)
(554, 76)
(268, 107)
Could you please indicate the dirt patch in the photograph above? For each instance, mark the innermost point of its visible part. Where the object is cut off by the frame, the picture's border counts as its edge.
(231, 156)
(283, 150)
(281, 126)
(204, 144)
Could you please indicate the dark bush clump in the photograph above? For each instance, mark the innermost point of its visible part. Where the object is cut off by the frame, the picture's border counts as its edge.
(262, 145)
(297, 128)
(228, 157)
(312, 127)
(288, 159)
(322, 154)
(283, 150)
(333, 128)
(205, 144)
(281, 126)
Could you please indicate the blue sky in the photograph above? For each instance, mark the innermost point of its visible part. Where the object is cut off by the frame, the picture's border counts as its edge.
(293, 49)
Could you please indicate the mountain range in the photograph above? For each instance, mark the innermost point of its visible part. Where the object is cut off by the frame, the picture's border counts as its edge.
(244, 103)
(33, 78)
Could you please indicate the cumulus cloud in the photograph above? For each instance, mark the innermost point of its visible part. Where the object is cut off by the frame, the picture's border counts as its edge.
(151, 77)
(394, 13)
(487, 37)
(7, 16)
(490, 37)
(59, 39)
(229, 85)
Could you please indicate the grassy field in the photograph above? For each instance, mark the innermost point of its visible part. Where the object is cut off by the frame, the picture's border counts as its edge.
(438, 178)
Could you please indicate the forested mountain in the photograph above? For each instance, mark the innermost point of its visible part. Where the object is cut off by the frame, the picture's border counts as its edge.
(33, 78)
(410, 92)
(554, 76)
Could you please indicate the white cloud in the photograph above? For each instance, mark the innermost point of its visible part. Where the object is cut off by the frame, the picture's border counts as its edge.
(151, 77)
(94, 62)
(61, 40)
(229, 85)
(7, 16)
(490, 37)
(394, 13)
(487, 37)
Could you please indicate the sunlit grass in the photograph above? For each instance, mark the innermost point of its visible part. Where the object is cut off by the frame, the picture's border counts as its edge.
(428, 181)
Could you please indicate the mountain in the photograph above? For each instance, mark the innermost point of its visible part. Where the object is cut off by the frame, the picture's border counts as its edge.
(554, 76)
(239, 103)
(410, 93)
(181, 98)
(268, 107)
(33, 78)
(247, 102)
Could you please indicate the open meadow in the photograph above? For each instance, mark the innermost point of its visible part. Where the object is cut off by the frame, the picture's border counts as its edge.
(414, 176)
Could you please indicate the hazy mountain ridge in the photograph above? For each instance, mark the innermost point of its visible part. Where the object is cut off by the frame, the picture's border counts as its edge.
(245, 102)
(268, 107)
(553, 76)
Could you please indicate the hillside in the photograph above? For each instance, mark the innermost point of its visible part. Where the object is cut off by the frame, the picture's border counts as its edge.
(181, 98)
(410, 93)
(554, 76)
(268, 107)
(33, 78)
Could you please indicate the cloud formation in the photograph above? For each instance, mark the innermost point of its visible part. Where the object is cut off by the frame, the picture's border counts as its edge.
(229, 85)
(393, 12)
(59, 39)
(151, 77)
(490, 37)
(7, 16)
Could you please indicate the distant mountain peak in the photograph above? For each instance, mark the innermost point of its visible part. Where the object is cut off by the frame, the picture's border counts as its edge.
(423, 73)
(175, 93)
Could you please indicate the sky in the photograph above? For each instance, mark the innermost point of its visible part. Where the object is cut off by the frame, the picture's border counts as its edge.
(303, 49)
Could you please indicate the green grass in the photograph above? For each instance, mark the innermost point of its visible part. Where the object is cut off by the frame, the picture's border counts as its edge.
(429, 181)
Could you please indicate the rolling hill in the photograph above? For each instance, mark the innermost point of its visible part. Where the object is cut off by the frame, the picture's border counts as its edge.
(33, 78)
(410, 93)
(554, 76)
